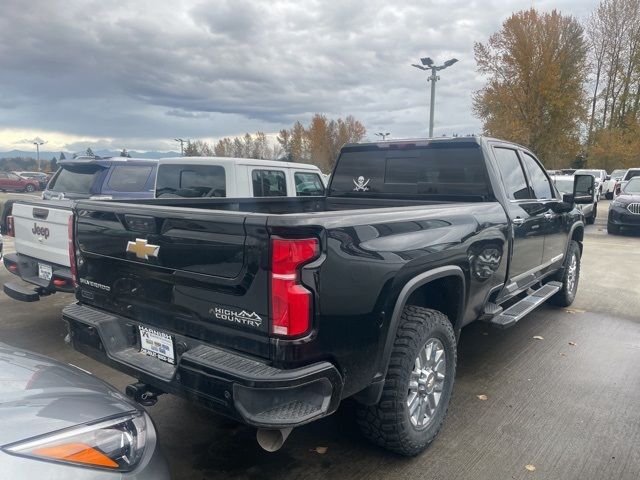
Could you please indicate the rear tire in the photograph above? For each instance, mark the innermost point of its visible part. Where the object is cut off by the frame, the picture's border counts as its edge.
(418, 385)
(570, 277)
(613, 229)
(29, 188)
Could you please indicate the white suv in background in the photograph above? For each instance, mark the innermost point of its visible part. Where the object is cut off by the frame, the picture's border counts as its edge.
(632, 172)
(197, 177)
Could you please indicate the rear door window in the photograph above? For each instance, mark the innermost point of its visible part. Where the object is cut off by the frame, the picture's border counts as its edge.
(537, 178)
(75, 179)
(269, 183)
(513, 179)
(191, 181)
(129, 178)
(308, 184)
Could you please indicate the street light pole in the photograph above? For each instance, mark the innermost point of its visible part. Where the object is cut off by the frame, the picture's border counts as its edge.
(432, 104)
(181, 145)
(37, 142)
(383, 135)
(427, 64)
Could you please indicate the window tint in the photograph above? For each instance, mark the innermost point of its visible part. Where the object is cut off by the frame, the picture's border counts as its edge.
(537, 178)
(75, 179)
(512, 175)
(191, 181)
(632, 173)
(438, 170)
(308, 184)
(269, 183)
(129, 178)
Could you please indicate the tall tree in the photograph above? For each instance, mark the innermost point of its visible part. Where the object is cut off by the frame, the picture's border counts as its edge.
(62, 156)
(53, 164)
(89, 152)
(124, 153)
(534, 94)
(191, 149)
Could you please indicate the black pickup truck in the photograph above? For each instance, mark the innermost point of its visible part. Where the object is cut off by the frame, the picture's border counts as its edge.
(272, 311)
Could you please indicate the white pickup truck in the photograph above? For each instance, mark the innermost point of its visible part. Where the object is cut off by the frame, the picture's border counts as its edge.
(40, 230)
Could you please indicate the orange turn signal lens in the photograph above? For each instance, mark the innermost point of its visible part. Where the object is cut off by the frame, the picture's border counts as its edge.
(78, 453)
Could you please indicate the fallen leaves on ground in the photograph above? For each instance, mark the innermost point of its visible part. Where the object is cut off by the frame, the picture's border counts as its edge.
(482, 397)
(538, 337)
(530, 468)
(320, 450)
(573, 344)
(574, 310)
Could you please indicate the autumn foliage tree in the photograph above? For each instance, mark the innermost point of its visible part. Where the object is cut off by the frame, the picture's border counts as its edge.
(535, 68)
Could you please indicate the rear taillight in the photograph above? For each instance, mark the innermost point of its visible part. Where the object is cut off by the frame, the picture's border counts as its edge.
(11, 230)
(72, 253)
(291, 303)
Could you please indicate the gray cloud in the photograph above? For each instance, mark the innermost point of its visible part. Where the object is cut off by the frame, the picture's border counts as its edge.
(155, 69)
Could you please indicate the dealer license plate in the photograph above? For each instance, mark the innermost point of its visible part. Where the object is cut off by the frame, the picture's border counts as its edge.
(45, 272)
(156, 344)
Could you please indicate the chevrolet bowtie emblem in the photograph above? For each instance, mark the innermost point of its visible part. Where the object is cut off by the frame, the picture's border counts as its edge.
(142, 250)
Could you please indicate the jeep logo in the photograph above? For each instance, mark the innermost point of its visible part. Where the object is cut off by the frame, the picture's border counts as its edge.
(39, 231)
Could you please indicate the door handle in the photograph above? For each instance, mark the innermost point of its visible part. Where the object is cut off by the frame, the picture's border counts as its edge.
(518, 221)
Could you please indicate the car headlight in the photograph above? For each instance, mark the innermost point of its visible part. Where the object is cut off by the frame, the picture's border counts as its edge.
(619, 204)
(116, 444)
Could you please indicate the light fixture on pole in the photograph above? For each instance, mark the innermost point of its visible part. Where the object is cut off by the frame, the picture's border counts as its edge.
(181, 145)
(427, 64)
(37, 142)
(383, 135)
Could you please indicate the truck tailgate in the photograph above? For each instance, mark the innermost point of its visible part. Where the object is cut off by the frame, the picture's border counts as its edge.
(41, 230)
(188, 271)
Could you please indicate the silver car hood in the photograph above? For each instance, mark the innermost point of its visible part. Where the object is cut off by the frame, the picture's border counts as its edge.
(39, 395)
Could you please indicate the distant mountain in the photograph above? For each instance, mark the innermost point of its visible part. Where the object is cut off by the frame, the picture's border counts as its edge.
(100, 153)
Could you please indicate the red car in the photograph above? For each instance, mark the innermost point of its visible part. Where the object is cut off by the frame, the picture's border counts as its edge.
(11, 181)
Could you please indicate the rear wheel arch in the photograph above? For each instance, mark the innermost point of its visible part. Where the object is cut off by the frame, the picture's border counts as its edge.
(449, 279)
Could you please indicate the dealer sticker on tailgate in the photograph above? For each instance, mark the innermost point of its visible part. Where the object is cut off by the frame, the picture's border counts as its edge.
(156, 344)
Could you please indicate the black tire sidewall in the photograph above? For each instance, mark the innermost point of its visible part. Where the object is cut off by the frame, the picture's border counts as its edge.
(425, 435)
(564, 297)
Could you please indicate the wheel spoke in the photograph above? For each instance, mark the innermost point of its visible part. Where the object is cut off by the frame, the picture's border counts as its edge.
(414, 404)
(423, 410)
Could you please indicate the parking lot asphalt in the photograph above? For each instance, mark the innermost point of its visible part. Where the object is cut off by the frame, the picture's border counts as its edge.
(567, 404)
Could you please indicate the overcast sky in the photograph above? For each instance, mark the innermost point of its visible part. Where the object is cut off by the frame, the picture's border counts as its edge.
(138, 74)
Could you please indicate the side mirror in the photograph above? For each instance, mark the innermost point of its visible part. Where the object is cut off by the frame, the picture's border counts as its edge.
(583, 188)
(608, 177)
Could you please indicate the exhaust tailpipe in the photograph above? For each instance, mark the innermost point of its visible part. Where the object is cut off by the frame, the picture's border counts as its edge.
(272, 440)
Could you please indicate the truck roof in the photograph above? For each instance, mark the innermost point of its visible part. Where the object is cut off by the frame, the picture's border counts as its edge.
(422, 141)
(235, 161)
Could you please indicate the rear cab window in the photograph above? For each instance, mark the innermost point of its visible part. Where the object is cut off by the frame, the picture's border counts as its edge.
(438, 171)
(269, 183)
(75, 178)
(308, 184)
(129, 178)
(191, 181)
